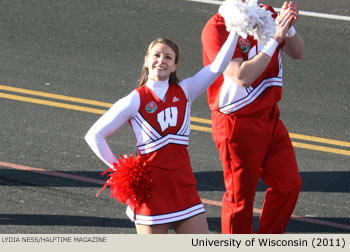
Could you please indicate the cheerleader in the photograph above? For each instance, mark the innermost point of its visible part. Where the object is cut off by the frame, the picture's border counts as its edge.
(158, 184)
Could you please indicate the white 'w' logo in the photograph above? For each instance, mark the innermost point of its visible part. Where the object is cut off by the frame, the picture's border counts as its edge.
(167, 117)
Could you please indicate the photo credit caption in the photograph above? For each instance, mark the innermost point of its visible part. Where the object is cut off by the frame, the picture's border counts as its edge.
(53, 239)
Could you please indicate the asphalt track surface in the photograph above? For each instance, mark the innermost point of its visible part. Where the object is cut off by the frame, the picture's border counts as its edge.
(63, 63)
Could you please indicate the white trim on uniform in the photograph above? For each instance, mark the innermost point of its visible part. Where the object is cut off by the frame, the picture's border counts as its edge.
(155, 145)
(252, 96)
(234, 97)
(165, 218)
(146, 127)
(185, 127)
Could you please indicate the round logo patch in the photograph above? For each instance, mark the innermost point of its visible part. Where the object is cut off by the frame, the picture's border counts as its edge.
(151, 107)
(244, 44)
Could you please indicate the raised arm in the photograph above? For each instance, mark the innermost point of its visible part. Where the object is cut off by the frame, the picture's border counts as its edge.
(245, 72)
(112, 120)
(197, 84)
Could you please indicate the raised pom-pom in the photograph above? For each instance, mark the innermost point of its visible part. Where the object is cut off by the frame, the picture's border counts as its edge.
(129, 181)
(248, 18)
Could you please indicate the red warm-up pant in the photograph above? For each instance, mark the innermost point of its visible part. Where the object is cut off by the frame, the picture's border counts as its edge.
(251, 147)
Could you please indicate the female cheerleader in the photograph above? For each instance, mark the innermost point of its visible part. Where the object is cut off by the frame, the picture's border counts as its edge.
(159, 114)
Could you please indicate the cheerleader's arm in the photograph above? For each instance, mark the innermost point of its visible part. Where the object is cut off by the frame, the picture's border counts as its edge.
(197, 84)
(121, 111)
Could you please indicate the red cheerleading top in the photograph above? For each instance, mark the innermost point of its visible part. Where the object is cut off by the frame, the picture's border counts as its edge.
(225, 95)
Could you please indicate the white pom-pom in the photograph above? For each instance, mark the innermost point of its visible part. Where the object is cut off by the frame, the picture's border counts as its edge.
(248, 18)
(235, 15)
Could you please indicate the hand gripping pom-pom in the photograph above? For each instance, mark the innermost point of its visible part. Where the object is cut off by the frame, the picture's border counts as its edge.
(130, 181)
(248, 19)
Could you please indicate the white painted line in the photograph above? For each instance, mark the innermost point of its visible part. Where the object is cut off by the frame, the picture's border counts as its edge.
(322, 15)
(303, 13)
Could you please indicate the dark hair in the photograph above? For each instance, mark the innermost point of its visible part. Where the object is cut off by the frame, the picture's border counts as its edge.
(144, 73)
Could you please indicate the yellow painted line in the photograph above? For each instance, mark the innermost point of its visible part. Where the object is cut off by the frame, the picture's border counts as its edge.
(75, 99)
(200, 120)
(51, 103)
(295, 144)
(55, 96)
(194, 127)
(321, 148)
(292, 135)
(193, 119)
(200, 128)
(319, 140)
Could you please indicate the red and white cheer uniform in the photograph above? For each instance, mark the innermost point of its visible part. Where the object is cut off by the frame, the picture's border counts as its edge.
(159, 114)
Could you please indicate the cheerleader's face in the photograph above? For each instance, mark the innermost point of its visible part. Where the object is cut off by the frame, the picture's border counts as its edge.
(160, 62)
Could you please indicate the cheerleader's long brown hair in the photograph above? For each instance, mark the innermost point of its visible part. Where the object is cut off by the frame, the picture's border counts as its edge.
(144, 73)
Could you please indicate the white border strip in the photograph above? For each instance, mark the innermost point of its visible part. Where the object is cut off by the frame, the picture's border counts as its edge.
(165, 218)
(304, 13)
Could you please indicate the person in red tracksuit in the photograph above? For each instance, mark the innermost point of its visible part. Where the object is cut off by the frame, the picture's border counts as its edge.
(246, 125)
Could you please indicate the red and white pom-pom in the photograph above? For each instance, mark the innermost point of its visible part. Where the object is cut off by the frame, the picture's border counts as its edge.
(129, 181)
(248, 18)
